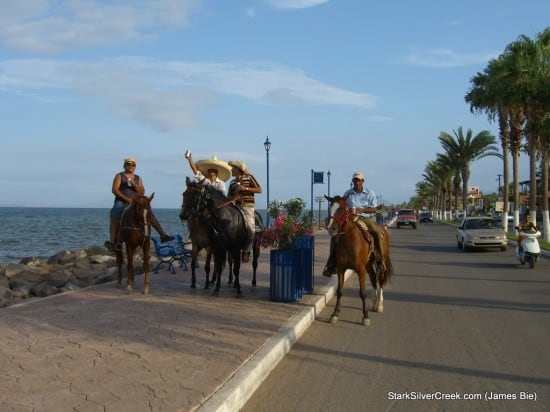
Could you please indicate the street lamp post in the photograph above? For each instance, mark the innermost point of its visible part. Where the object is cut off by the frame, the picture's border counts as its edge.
(328, 174)
(267, 146)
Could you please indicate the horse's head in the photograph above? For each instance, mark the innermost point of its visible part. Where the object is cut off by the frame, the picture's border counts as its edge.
(339, 214)
(195, 200)
(139, 213)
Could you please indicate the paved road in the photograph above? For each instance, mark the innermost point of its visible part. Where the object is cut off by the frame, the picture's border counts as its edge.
(455, 325)
(176, 349)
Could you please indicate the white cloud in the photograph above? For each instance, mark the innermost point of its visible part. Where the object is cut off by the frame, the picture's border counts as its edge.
(47, 26)
(295, 4)
(165, 95)
(444, 58)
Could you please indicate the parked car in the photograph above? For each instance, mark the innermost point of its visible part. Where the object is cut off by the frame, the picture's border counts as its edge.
(480, 232)
(498, 216)
(425, 217)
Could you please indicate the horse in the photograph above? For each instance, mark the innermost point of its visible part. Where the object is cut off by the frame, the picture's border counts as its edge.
(256, 246)
(202, 237)
(135, 231)
(225, 224)
(355, 250)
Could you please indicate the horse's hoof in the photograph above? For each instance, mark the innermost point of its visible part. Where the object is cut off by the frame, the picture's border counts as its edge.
(366, 322)
(129, 290)
(333, 319)
(380, 308)
(216, 293)
(146, 291)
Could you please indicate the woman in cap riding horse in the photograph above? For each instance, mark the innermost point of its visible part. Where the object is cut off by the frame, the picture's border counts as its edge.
(125, 185)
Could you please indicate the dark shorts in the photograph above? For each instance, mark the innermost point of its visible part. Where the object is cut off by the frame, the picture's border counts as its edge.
(116, 210)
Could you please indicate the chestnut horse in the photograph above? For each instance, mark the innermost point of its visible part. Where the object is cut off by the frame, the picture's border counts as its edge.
(135, 231)
(355, 250)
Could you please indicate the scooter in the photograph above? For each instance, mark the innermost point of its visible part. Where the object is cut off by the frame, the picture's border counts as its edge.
(530, 252)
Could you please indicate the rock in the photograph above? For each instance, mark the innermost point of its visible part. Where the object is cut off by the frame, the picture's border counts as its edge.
(5, 293)
(63, 272)
(62, 258)
(13, 269)
(42, 290)
(58, 278)
(102, 259)
(21, 293)
(31, 276)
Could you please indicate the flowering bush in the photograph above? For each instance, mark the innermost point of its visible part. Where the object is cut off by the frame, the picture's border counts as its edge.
(289, 223)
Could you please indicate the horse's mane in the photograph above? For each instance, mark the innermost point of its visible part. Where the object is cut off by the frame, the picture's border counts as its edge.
(217, 196)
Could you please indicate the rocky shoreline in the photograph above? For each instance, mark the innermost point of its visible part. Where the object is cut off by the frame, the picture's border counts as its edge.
(65, 271)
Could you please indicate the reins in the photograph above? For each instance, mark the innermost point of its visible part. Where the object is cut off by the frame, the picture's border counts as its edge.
(201, 209)
(346, 217)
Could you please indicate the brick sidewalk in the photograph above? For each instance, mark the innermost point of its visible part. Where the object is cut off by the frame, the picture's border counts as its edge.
(99, 349)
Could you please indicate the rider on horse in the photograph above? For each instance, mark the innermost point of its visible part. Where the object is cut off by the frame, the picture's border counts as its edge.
(125, 185)
(243, 188)
(364, 203)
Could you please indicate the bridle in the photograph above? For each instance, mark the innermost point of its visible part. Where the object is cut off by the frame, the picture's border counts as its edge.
(201, 205)
(343, 219)
(136, 217)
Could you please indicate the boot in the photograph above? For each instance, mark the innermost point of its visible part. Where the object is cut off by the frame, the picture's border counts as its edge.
(114, 230)
(330, 267)
(163, 236)
(329, 270)
(166, 238)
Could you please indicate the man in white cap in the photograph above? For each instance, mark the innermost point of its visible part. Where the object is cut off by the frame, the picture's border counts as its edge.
(210, 172)
(364, 203)
(243, 188)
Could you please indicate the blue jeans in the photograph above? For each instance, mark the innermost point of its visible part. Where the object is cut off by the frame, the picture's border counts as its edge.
(116, 210)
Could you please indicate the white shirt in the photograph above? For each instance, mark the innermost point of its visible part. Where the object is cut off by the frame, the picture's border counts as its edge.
(203, 180)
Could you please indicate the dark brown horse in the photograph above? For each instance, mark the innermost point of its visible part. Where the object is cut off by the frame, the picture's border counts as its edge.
(225, 224)
(135, 231)
(201, 237)
(355, 251)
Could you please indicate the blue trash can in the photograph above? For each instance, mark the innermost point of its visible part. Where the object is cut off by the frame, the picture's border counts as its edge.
(305, 247)
(283, 276)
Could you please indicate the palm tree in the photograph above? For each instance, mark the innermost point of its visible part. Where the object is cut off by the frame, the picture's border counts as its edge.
(466, 149)
(527, 79)
(433, 178)
(483, 96)
(450, 168)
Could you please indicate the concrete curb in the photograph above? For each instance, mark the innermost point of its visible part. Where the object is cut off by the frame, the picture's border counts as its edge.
(234, 393)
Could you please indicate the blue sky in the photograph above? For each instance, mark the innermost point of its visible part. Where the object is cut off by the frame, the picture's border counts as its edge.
(339, 85)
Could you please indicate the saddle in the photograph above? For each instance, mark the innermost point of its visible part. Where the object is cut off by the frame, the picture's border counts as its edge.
(364, 229)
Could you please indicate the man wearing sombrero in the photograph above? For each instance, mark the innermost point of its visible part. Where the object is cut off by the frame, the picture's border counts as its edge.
(243, 188)
(210, 172)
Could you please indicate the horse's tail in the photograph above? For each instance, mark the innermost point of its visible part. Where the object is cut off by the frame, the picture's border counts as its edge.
(389, 270)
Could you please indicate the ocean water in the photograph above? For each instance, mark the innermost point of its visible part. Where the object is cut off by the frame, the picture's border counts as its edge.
(43, 232)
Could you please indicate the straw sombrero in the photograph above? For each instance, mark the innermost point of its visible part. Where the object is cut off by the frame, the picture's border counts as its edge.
(224, 170)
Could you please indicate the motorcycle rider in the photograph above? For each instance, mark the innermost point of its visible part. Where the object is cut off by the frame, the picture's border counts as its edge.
(527, 227)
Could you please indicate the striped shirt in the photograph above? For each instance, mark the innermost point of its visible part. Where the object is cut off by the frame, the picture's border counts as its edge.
(244, 198)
